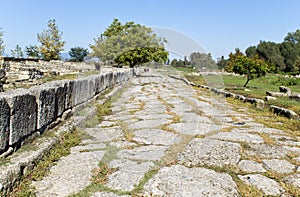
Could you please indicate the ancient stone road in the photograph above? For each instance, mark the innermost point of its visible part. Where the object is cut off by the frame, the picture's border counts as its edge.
(191, 143)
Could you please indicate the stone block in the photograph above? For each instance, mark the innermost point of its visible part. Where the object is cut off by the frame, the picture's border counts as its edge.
(23, 114)
(46, 102)
(295, 96)
(284, 112)
(70, 98)
(285, 89)
(270, 98)
(80, 91)
(4, 125)
(61, 93)
(276, 94)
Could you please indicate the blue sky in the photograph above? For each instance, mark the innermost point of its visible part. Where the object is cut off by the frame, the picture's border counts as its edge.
(218, 26)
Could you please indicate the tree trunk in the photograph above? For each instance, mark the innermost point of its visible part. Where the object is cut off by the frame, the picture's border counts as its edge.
(248, 79)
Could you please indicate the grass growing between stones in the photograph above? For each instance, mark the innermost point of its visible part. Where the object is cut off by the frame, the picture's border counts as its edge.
(42, 168)
(128, 133)
(103, 110)
(269, 119)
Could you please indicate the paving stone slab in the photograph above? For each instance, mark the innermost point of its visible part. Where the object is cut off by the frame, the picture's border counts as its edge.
(293, 179)
(279, 166)
(150, 153)
(178, 180)
(155, 137)
(267, 151)
(130, 173)
(194, 118)
(106, 134)
(194, 128)
(250, 166)
(147, 124)
(69, 176)
(238, 137)
(210, 152)
(266, 185)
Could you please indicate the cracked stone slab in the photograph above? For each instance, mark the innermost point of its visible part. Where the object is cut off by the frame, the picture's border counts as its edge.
(155, 137)
(250, 166)
(130, 173)
(285, 140)
(69, 176)
(266, 185)
(293, 179)
(194, 118)
(178, 180)
(194, 128)
(210, 152)
(150, 153)
(238, 137)
(279, 166)
(106, 134)
(267, 151)
(147, 124)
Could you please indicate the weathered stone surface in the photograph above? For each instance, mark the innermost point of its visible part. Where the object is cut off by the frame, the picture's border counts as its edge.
(279, 166)
(61, 93)
(293, 179)
(267, 185)
(270, 98)
(155, 137)
(74, 171)
(151, 153)
(4, 124)
(181, 181)
(276, 94)
(147, 124)
(106, 134)
(284, 112)
(295, 96)
(194, 128)
(23, 113)
(267, 151)
(210, 152)
(130, 173)
(238, 137)
(46, 101)
(107, 194)
(81, 91)
(249, 166)
(285, 89)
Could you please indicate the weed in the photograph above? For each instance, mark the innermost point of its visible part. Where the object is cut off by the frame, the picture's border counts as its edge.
(103, 110)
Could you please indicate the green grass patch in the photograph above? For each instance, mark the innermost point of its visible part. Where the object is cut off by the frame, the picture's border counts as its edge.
(42, 168)
(256, 88)
(104, 110)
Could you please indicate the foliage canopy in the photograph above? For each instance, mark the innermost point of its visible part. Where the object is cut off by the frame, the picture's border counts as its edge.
(129, 44)
(51, 43)
(78, 54)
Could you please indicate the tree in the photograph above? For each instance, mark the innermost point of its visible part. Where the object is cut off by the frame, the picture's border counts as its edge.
(129, 44)
(51, 43)
(32, 51)
(2, 47)
(251, 67)
(293, 37)
(200, 60)
(251, 51)
(78, 54)
(17, 52)
(270, 52)
(290, 51)
(221, 63)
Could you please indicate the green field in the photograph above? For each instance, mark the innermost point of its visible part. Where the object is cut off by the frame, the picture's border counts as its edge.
(256, 88)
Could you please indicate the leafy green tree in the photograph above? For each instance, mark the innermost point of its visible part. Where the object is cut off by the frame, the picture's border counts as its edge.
(78, 54)
(250, 67)
(17, 52)
(270, 52)
(51, 42)
(32, 51)
(293, 37)
(129, 44)
(2, 47)
(221, 63)
(290, 51)
(200, 60)
(251, 51)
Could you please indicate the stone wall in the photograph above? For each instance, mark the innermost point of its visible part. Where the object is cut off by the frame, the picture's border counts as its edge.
(27, 112)
(20, 69)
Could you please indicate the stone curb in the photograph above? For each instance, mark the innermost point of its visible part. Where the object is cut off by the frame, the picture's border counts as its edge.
(11, 174)
(259, 103)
